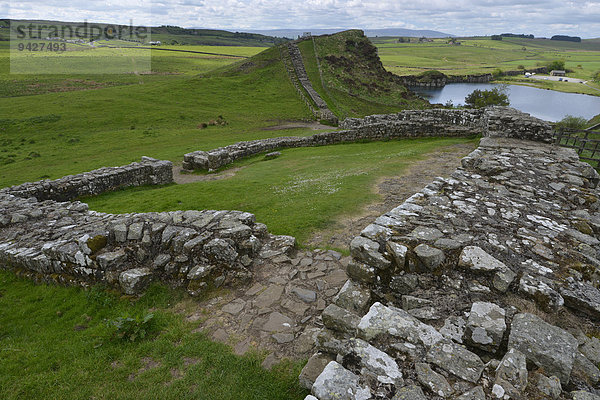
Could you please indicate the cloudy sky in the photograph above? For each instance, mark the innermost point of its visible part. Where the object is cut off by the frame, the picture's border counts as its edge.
(458, 17)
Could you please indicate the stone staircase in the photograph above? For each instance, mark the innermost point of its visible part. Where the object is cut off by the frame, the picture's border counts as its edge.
(296, 59)
(287, 62)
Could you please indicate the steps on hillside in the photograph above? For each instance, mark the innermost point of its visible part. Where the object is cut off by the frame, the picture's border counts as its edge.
(298, 64)
(287, 62)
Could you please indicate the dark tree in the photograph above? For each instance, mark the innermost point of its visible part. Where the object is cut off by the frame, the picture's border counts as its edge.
(566, 38)
(482, 98)
(556, 65)
(520, 35)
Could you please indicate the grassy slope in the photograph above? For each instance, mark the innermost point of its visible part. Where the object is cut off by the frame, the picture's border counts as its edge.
(55, 343)
(357, 83)
(166, 67)
(482, 55)
(83, 130)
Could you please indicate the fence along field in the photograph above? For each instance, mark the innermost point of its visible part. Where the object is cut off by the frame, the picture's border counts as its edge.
(585, 141)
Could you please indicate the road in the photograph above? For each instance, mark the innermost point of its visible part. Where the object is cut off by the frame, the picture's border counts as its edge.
(557, 78)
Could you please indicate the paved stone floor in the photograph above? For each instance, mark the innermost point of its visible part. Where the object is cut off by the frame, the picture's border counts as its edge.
(279, 311)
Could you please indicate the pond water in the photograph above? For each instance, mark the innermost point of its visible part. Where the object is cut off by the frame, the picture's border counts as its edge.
(549, 105)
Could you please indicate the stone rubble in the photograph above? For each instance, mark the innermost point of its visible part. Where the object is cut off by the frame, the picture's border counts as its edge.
(501, 262)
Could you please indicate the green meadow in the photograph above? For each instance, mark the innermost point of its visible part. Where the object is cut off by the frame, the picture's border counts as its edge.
(479, 55)
(302, 191)
(62, 343)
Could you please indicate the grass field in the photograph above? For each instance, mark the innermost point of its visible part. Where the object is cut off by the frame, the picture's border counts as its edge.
(59, 343)
(167, 66)
(296, 194)
(81, 130)
(480, 55)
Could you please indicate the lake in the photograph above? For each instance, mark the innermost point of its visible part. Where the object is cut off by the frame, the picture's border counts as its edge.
(549, 105)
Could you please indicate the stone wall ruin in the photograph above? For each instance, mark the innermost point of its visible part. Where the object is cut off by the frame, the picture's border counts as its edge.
(480, 286)
(48, 238)
(147, 172)
(493, 121)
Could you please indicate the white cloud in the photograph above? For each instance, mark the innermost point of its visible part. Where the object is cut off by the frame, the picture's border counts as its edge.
(459, 17)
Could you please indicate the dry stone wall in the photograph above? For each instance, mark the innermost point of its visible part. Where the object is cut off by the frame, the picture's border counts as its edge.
(298, 63)
(147, 172)
(417, 81)
(483, 285)
(64, 242)
(493, 121)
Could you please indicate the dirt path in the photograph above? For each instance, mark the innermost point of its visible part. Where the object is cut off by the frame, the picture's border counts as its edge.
(315, 126)
(279, 311)
(393, 191)
(182, 178)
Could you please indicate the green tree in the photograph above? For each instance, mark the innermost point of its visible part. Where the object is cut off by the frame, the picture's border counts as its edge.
(596, 76)
(496, 96)
(571, 123)
(557, 65)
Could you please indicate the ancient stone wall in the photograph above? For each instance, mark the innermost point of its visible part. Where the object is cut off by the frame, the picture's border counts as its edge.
(298, 63)
(483, 285)
(493, 121)
(437, 119)
(147, 172)
(417, 81)
(64, 242)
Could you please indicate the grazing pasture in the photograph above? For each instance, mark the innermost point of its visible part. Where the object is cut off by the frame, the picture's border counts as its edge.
(481, 55)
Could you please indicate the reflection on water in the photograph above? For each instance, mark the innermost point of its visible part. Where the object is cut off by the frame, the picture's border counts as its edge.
(545, 104)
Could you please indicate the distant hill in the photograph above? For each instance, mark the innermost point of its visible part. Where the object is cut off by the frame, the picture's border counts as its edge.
(171, 34)
(294, 33)
(168, 34)
(349, 76)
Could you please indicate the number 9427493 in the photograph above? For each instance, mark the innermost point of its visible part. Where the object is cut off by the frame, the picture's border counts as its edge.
(42, 47)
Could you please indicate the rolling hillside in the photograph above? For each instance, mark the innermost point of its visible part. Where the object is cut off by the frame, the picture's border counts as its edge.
(166, 34)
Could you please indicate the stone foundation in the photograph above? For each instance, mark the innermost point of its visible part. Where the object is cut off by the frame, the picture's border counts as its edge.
(147, 172)
(64, 242)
